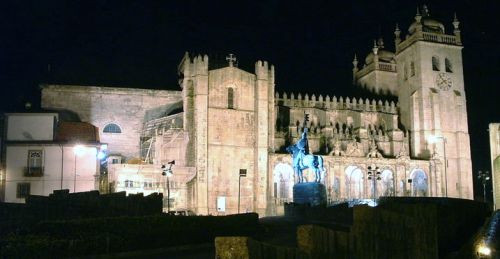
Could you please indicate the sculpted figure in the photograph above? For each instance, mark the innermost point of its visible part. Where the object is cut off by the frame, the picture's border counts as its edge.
(303, 160)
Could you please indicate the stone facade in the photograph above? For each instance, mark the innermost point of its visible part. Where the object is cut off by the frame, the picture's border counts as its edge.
(126, 107)
(227, 119)
(494, 130)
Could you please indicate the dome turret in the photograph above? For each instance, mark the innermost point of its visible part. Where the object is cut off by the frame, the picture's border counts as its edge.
(383, 54)
(428, 24)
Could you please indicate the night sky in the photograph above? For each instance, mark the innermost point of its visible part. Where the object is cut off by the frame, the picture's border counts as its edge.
(140, 43)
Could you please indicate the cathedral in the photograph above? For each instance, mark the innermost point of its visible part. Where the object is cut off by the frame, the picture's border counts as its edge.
(225, 132)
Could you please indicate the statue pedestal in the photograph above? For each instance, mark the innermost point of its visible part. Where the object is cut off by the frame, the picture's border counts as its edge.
(313, 194)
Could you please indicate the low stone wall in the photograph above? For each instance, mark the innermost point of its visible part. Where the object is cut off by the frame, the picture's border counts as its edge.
(247, 247)
(320, 242)
(64, 205)
(399, 227)
(380, 233)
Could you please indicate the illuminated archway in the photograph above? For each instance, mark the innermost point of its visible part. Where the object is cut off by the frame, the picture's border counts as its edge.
(419, 185)
(387, 183)
(354, 183)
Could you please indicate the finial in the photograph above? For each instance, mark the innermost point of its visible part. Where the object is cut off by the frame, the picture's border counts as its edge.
(418, 17)
(397, 34)
(375, 47)
(455, 21)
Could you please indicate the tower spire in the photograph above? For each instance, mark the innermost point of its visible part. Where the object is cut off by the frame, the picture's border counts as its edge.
(354, 68)
(456, 29)
(418, 17)
(397, 36)
(375, 47)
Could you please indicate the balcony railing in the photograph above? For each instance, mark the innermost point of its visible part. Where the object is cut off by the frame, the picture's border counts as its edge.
(33, 171)
(429, 36)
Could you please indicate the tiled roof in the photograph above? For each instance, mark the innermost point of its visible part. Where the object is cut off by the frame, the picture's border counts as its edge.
(77, 131)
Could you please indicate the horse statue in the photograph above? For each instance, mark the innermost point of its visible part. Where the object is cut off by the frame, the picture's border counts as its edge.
(302, 160)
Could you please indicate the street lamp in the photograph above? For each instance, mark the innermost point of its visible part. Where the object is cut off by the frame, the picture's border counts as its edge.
(434, 139)
(484, 177)
(78, 150)
(168, 172)
(374, 176)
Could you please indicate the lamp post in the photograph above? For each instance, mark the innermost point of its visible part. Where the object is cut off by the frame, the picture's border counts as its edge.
(434, 139)
(78, 150)
(374, 176)
(168, 173)
(484, 177)
(243, 173)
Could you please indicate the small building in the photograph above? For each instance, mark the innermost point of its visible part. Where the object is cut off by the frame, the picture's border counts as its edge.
(43, 153)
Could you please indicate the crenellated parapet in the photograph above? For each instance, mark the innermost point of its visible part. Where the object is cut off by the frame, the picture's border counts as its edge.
(334, 103)
(191, 66)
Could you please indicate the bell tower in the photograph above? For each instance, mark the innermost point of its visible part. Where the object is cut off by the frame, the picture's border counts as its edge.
(432, 100)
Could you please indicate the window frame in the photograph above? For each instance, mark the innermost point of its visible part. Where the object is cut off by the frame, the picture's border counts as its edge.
(436, 63)
(230, 98)
(448, 66)
(112, 124)
(31, 159)
(19, 190)
(34, 163)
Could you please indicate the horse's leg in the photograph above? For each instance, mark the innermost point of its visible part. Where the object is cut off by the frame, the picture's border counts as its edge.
(297, 174)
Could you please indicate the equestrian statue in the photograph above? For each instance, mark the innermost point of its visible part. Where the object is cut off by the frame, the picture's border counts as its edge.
(302, 159)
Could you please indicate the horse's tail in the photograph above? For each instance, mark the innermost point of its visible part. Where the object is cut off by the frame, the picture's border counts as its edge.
(320, 164)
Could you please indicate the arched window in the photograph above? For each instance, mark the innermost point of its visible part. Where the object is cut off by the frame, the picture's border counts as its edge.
(230, 98)
(112, 128)
(435, 63)
(412, 68)
(449, 67)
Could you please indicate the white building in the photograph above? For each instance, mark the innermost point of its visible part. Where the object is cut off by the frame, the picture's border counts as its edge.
(43, 154)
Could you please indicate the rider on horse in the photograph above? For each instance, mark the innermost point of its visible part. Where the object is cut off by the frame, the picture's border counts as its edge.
(303, 146)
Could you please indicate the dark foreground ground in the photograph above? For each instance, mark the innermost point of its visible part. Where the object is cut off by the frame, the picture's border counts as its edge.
(454, 227)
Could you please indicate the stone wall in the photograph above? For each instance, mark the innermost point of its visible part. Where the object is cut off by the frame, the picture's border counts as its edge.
(64, 205)
(396, 228)
(125, 107)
